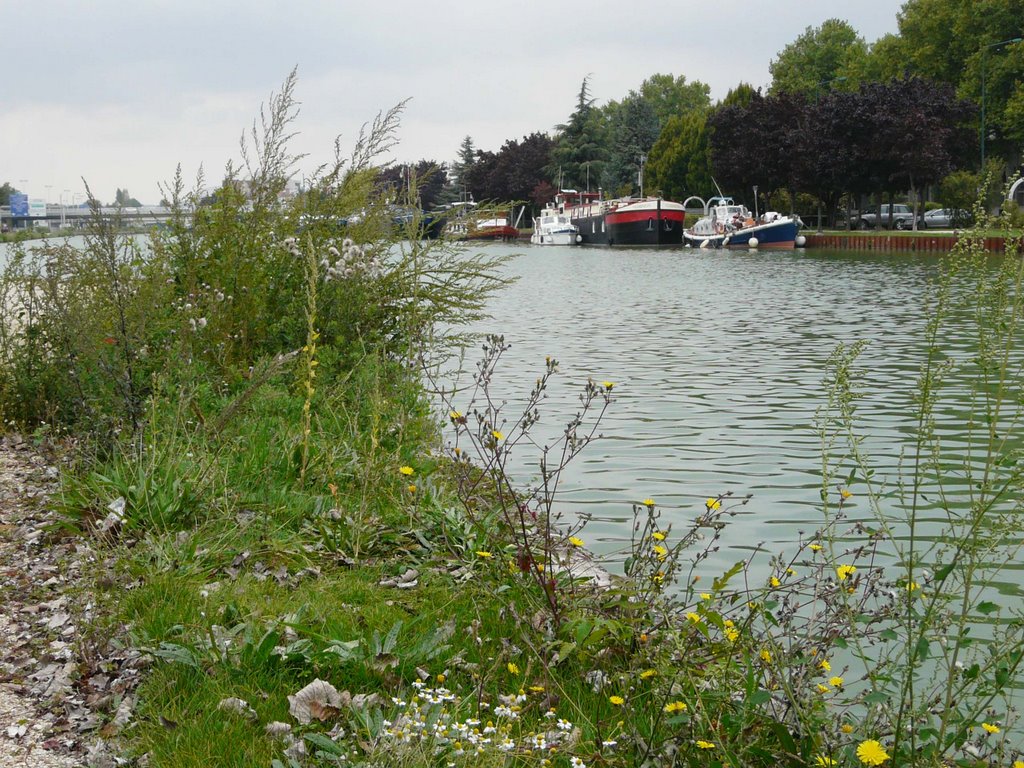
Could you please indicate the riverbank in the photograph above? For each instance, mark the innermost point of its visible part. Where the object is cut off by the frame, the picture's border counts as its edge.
(921, 242)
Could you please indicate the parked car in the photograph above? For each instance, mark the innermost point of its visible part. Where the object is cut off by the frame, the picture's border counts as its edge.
(947, 218)
(902, 217)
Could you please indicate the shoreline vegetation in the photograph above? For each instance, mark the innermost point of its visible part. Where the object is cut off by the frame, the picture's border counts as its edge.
(315, 541)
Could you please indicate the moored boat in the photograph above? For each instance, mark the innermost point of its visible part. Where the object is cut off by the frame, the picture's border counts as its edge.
(626, 221)
(553, 227)
(728, 225)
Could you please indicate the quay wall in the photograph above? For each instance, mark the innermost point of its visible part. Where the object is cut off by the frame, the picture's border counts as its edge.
(924, 242)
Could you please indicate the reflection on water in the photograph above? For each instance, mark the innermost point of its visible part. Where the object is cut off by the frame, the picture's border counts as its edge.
(718, 359)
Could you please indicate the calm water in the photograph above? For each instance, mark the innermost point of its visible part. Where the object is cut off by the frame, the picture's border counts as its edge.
(718, 360)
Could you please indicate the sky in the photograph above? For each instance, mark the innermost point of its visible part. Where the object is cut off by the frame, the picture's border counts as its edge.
(120, 93)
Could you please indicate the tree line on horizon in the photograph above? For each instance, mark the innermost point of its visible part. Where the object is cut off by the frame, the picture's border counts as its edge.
(841, 120)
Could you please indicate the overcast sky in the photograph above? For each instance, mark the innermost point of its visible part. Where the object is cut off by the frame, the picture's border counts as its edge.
(119, 93)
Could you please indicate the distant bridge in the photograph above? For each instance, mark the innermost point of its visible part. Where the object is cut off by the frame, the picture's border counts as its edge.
(77, 217)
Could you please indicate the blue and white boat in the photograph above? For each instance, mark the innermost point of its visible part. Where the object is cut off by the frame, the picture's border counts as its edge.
(553, 227)
(728, 225)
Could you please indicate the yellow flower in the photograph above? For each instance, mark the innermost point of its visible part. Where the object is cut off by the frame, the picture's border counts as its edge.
(497, 435)
(790, 572)
(825, 665)
(407, 471)
(870, 752)
(537, 689)
(990, 728)
(845, 493)
(675, 706)
(766, 656)
(647, 673)
(618, 701)
(836, 682)
(847, 728)
(608, 384)
(455, 415)
(411, 488)
(1018, 764)
(660, 551)
(441, 678)
(712, 504)
(845, 571)
(694, 617)
(576, 541)
(659, 577)
(729, 623)
(912, 586)
(705, 744)
(814, 547)
(705, 596)
(775, 581)
(648, 502)
(822, 688)
(824, 761)
(513, 668)
(657, 535)
(482, 553)
(731, 634)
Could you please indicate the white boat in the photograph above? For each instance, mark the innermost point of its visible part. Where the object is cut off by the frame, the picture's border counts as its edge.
(553, 227)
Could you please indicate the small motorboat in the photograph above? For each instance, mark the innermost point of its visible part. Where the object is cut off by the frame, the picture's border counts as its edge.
(553, 227)
(728, 225)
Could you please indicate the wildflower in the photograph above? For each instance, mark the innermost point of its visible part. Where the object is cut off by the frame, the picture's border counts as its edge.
(647, 674)
(775, 581)
(660, 551)
(658, 536)
(845, 493)
(912, 586)
(822, 688)
(1018, 764)
(576, 541)
(659, 577)
(712, 504)
(990, 728)
(814, 547)
(455, 415)
(483, 553)
(576, 762)
(675, 706)
(563, 724)
(609, 743)
(731, 634)
(512, 668)
(824, 761)
(618, 701)
(608, 385)
(411, 488)
(497, 435)
(825, 665)
(705, 595)
(694, 617)
(407, 471)
(870, 752)
(536, 689)
(836, 682)
(705, 744)
(648, 502)
(790, 572)
(847, 728)
(845, 571)
(766, 656)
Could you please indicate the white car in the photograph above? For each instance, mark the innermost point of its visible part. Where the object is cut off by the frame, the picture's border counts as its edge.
(946, 218)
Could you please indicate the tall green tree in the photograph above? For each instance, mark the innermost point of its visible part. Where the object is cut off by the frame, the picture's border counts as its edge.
(580, 144)
(634, 129)
(679, 165)
(460, 168)
(818, 58)
(5, 193)
(670, 96)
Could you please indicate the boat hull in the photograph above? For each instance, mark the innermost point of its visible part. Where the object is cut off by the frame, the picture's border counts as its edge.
(554, 238)
(640, 223)
(778, 234)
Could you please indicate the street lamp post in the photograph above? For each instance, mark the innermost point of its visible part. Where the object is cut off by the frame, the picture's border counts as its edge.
(984, 52)
(643, 159)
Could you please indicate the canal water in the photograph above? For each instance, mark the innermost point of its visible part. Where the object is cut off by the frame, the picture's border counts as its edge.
(718, 360)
